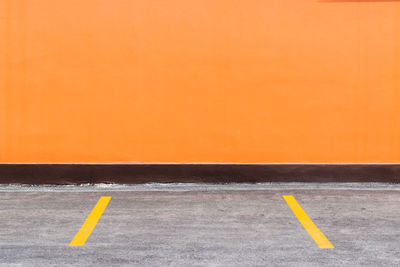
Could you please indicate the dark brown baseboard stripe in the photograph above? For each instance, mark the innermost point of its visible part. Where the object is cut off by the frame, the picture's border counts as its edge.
(195, 173)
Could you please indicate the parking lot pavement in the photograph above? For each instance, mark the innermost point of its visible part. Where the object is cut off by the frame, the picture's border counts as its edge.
(201, 225)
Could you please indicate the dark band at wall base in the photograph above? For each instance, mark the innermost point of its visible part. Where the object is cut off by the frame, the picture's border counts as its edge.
(195, 173)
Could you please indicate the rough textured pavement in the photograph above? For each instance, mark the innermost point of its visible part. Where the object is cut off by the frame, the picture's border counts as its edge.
(201, 225)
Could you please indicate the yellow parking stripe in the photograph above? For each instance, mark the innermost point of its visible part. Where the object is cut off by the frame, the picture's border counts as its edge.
(91, 221)
(307, 223)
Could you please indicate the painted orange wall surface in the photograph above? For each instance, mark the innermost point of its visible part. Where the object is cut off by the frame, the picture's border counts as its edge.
(255, 81)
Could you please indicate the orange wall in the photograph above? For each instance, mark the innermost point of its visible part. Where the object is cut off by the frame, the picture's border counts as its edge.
(199, 81)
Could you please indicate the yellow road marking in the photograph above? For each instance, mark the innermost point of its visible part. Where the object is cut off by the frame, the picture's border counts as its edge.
(91, 221)
(307, 223)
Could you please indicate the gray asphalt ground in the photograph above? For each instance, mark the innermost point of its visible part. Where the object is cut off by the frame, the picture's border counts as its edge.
(201, 225)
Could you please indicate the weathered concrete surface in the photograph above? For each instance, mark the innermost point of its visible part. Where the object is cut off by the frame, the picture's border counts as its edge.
(201, 225)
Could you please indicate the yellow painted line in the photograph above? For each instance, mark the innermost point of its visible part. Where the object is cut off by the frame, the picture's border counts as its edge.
(91, 221)
(307, 223)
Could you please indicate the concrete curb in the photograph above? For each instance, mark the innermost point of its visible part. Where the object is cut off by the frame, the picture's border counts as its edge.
(196, 173)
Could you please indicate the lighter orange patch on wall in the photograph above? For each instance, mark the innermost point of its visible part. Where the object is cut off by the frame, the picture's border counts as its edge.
(199, 81)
